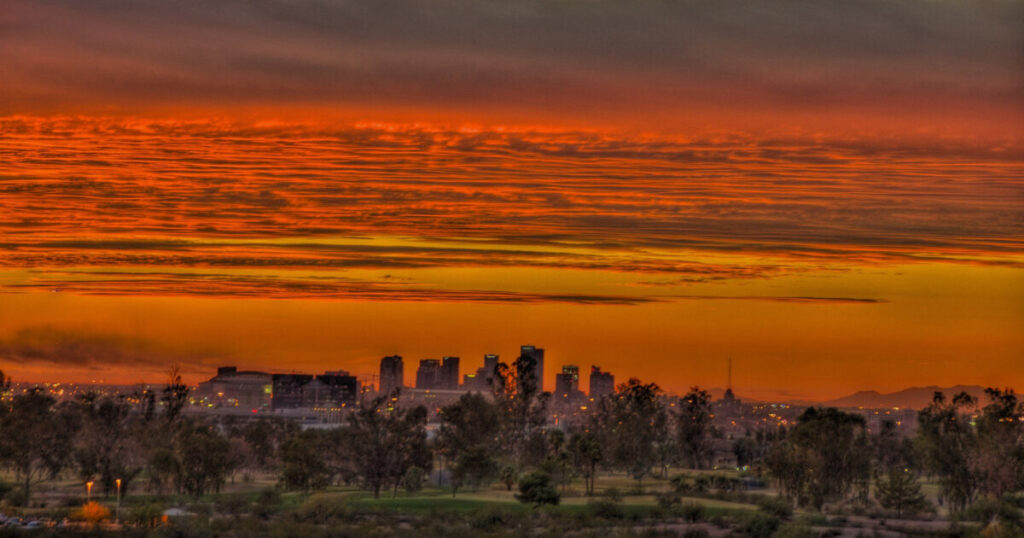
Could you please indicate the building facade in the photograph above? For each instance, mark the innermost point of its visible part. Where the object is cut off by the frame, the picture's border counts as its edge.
(536, 373)
(392, 374)
(601, 383)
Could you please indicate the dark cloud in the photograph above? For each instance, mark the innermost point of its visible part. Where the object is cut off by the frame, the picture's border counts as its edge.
(72, 348)
(532, 53)
(786, 299)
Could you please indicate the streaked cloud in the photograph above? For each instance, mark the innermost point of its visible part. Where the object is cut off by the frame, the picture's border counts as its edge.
(179, 193)
(236, 286)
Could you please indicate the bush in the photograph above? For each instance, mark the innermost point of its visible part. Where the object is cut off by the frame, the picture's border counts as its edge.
(668, 499)
(413, 479)
(509, 476)
(605, 509)
(145, 515)
(613, 494)
(692, 511)
(91, 512)
(681, 484)
(321, 509)
(71, 501)
(267, 503)
(16, 497)
(490, 519)
(776, 506)
(795, 530)
(537, 488)
(233, 505)
(759, 525)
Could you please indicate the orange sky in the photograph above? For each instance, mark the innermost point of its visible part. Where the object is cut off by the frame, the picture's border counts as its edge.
(830, 194)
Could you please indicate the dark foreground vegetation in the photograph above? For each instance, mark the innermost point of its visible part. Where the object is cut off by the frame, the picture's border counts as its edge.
(138, 465)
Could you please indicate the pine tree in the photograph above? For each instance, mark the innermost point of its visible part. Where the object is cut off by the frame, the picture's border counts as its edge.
(899, 490)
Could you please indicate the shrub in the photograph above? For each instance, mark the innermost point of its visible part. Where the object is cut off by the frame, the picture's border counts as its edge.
(795, 530)
(605, 509)
(145, 515)
(267, 503)
(413, 479)
(490, 519)
(668, 499)
(321, 509)
(776, 506)
(71, 501)
(696, 533)
(16, 497)
(508, 476)
(681, 484)
(692, 511)
(613, 494)
(233, 505)
(759, 525)
(91, 512)
(537, 488)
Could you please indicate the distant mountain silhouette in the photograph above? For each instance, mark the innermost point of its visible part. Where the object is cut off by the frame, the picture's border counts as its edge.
(912, 398)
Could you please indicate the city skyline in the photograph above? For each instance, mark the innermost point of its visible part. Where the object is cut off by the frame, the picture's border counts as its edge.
(830, 193)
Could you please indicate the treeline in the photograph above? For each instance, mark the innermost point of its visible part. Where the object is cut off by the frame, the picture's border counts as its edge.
(147, 443)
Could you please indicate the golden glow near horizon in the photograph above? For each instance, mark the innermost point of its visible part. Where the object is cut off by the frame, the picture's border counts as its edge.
(299, 195)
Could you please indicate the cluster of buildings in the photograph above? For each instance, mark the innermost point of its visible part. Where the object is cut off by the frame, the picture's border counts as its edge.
(443, 375)
(437, 383)
(262, 391)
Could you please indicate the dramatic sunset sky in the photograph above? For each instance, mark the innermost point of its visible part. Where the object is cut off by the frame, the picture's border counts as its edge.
(829, 192)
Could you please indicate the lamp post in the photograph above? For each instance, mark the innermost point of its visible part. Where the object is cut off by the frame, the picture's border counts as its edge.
(88, 491)
(117, 511)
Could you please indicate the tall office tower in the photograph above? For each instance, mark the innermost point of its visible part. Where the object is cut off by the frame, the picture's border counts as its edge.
(490, 363)
(537, 354)
(427, 374)
(449, 374)
(601, 383)
(480, 381)
(567, 383)
(392, 374)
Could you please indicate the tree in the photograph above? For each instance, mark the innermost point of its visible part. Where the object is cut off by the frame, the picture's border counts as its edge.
(745, 450)
(474, 467)
(822, 458)
(948, 444)
(35, 440)
(557, 462)
(302, 462)
(695, 427)
(106, 446)
(628, 424)
(891, 450)
(386, 442)
(899, 490)
(536, 488)
(586, 453)
(203, 460)
(521, 405)
(175, 394)
(467, 438)
(509, 476)
(999, 461)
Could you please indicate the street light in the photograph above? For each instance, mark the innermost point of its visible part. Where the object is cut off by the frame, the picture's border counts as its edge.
(117, 512)
(88, 491)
